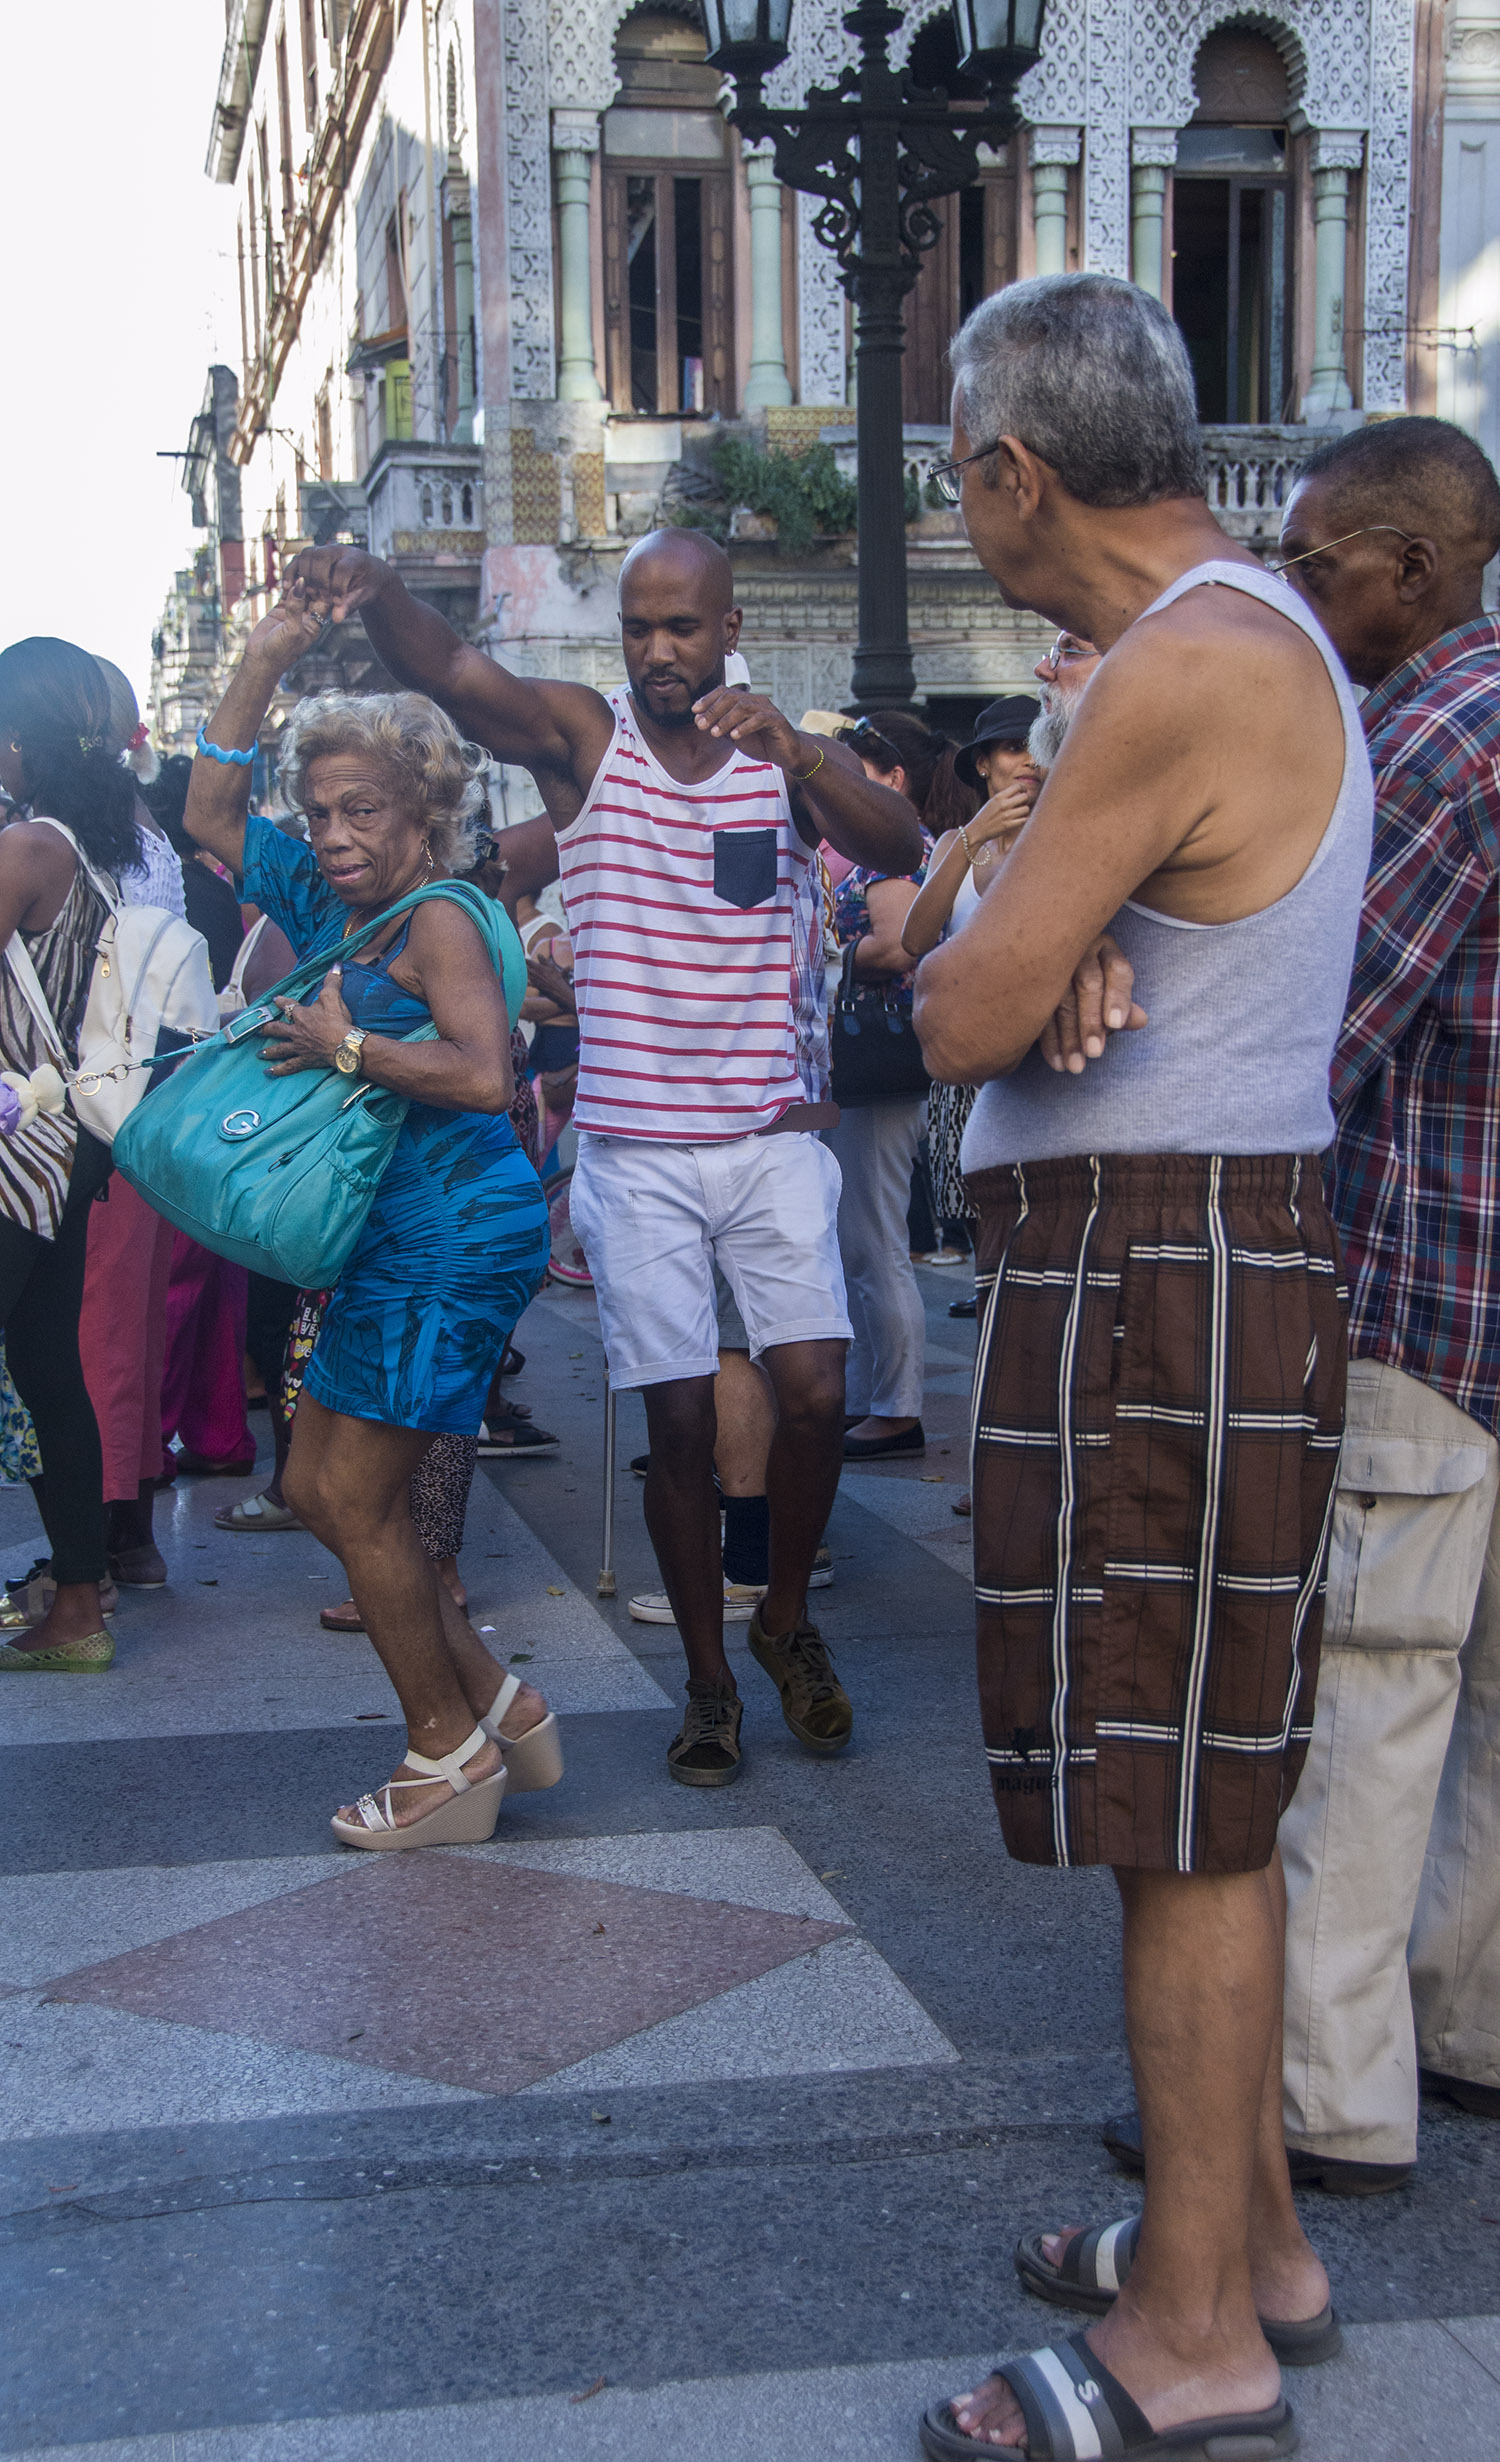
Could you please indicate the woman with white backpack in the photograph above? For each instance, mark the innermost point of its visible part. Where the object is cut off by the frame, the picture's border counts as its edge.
(54, 762)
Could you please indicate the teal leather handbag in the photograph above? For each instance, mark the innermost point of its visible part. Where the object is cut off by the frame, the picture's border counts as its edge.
(279, 1173)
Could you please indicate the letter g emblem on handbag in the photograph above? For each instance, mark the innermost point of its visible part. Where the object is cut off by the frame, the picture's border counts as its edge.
(239, 1124)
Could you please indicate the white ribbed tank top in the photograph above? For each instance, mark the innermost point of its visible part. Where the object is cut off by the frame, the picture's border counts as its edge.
(1244, 1015)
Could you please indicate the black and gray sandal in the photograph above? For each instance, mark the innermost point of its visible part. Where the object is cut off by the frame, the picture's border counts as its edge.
(1074, 2408)
(1093, 2268)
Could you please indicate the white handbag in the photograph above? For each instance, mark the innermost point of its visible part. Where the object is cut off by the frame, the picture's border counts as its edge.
(151, 975)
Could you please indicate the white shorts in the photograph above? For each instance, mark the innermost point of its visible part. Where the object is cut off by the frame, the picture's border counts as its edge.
(654, 1219)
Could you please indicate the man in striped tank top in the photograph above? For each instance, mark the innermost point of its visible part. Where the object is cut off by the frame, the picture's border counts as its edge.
(688, 815)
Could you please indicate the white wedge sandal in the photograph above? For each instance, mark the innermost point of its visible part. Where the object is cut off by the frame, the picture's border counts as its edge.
(532, 1760)
(467, 1819)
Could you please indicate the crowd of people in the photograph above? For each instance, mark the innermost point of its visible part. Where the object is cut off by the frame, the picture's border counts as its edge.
(1172, 990)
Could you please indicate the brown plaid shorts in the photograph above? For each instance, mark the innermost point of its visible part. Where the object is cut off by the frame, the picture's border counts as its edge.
(1158, 1401)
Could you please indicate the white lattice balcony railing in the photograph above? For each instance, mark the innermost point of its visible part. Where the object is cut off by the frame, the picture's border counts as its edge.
(427, 501)
(1251, 473)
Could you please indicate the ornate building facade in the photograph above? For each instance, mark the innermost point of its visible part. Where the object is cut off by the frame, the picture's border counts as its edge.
(507, 277)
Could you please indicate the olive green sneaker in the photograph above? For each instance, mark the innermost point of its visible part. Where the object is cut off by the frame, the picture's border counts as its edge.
(705, 1752)
(86, 1657)
(813, 1701)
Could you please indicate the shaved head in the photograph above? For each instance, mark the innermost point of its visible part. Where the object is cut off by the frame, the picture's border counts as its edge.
(1424, 475)
(690, 561)
(678, 620)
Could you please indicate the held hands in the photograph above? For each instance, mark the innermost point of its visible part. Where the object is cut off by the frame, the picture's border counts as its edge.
(285, 633)
(1097, 1003)
(756, 725)
(307, 1038)
(335, 581)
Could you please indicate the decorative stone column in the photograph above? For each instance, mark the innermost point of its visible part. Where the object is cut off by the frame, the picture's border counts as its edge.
(575, 139)
(1153, 151)
(1053, 151)
(767, 380)
(1335, 153)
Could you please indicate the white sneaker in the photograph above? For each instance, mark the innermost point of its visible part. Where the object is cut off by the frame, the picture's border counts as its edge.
(741, 1600)
(821, 1576)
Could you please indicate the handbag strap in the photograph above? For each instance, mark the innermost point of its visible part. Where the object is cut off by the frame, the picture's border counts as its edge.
(109, 890)
(29, 983)
(494, 925)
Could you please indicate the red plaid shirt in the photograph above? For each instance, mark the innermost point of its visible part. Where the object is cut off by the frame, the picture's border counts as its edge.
(1416, 1075)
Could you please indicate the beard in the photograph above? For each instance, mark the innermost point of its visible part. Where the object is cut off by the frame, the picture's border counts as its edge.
(1045, 740)
(1059, 709)
(697, 686)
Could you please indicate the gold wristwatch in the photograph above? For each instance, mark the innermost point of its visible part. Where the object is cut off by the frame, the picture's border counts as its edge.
(346, 1058)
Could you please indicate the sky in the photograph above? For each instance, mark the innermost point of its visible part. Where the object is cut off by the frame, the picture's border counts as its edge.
(117, 251)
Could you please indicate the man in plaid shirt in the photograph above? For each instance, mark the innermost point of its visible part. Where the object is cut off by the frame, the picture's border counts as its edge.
(1392, 1841)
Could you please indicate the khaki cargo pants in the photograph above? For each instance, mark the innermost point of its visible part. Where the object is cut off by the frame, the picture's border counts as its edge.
(1392, 1840)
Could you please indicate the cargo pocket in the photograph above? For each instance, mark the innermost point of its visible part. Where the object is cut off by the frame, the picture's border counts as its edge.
(745, 866)
(1411, 1521)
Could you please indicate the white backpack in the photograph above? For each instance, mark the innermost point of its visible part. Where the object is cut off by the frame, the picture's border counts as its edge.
(151, 974)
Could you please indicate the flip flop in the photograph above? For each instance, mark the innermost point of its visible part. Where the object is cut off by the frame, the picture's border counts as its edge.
(256, 1513)
(1095, 2265)
(344, 1619)
(1074, 2408)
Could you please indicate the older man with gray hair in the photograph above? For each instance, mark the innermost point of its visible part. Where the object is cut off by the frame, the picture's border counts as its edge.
(1160, 1379)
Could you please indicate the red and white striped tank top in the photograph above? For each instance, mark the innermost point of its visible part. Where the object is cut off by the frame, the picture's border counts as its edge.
(696, 917)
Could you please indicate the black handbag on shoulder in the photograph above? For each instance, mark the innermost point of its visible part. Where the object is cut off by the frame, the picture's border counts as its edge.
(875, 1053)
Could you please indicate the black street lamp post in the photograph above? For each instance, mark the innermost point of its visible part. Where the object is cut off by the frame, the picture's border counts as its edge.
(878, 150)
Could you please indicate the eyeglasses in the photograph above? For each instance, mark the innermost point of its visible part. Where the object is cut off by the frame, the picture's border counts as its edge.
(1282, 564)
(945, 476)
(1066, 650)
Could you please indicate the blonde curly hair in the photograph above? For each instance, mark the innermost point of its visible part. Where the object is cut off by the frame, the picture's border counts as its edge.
(408, 735)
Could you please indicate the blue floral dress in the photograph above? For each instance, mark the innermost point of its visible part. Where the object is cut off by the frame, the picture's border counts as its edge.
(457, 1239)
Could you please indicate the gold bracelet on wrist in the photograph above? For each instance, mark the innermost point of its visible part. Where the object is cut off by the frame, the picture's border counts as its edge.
(800, 777)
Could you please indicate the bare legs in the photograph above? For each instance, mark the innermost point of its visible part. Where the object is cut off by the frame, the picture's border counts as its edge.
(1219, 2235)
(348, 1479)
(802, 1476)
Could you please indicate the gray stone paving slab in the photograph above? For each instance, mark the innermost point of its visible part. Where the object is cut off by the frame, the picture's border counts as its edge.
(230, 1658)
(70, 2066)
(840, 2008)
(1398, 2393)
(760, 2266)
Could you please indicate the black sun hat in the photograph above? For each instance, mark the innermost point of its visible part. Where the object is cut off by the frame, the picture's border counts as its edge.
(1007, 721)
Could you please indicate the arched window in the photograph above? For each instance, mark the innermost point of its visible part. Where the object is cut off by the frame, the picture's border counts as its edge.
(668, 220)
(1232, 230)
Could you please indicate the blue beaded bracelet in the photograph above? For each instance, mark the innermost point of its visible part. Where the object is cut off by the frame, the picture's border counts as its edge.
(225, 753)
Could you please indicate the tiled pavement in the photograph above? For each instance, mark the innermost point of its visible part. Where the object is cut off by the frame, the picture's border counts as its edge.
(667, 2124)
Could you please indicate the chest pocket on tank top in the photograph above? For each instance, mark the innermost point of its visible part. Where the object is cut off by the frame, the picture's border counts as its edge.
(745, 866)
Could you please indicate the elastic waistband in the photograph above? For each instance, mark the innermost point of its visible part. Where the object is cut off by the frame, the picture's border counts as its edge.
(1143, 1179)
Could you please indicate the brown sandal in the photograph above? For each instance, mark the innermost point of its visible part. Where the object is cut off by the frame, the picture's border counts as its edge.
(344, 1619)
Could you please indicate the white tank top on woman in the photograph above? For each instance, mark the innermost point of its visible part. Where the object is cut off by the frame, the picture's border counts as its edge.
(1243, 1015)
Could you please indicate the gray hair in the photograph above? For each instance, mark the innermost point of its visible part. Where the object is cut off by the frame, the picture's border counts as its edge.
(407, 734)
(1093, 376)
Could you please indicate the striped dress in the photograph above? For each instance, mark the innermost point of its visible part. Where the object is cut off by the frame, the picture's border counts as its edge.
(37, 1163)
(696, 917)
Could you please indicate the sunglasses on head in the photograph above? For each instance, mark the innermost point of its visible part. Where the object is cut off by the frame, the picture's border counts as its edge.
(870, 744)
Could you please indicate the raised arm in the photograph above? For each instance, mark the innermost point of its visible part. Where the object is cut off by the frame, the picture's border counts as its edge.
(560, 732)
(994, 826)
(831, 796)
(218, 796)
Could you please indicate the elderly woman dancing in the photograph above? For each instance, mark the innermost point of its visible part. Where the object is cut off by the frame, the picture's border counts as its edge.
(457, 1239)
